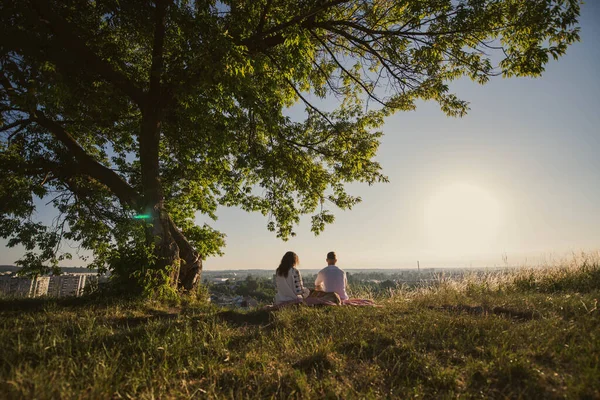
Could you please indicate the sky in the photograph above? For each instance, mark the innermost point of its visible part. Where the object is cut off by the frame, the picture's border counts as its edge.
(516, 181)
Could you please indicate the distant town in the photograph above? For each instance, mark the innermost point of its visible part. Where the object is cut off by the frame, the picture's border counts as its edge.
(245, 288)
(236, 288)
(71, 282)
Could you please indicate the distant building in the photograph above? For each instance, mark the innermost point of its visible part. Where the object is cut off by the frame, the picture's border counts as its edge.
(19, 287)
(67, 285)
(54, 286)
(217, 280)
(40, 287)
(4, 283)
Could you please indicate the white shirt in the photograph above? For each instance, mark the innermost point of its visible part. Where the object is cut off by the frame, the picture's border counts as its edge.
(332, 279)
(290, 288)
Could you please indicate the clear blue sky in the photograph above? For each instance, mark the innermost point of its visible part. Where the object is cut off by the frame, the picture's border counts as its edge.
(518, 176)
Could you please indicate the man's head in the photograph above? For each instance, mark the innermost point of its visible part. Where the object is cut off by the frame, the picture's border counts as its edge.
(331, 258)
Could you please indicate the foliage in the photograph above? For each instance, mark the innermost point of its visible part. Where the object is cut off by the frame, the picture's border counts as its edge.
(442, 342)
(110, 109)
(261, 289)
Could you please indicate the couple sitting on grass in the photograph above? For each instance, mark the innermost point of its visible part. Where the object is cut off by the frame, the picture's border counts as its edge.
(330, 285)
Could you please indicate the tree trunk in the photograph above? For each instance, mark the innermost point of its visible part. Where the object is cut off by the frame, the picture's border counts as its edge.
(166, 249)
(190, 263)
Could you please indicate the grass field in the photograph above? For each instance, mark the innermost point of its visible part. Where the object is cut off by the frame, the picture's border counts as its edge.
(529, 334)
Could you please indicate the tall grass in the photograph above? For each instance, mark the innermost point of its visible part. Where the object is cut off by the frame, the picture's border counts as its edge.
(579, 274)
(531, 333)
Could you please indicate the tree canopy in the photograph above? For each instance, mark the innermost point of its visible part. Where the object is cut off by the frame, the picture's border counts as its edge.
(116, 109)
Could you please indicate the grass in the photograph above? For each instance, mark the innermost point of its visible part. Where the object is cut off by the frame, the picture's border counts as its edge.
(529, 334)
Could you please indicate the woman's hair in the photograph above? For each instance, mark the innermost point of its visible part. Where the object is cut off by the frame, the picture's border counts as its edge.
(287, 262)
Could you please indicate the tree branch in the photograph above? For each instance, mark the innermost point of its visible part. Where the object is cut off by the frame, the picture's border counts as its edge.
(263, 40)
(348, 73)
(14, 125)
(369, 49)
(125, 193)
(263, 17)
(391, 32)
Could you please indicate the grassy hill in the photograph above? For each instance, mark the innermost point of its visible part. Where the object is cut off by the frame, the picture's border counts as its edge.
(529, 334)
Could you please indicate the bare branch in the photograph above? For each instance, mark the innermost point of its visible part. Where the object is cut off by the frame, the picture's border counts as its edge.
(350, 75)
(264, 40)
(309, 104)
(377, 54)
(391, 32)
(14, 125)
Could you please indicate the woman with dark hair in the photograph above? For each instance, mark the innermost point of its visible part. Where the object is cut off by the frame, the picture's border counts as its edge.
(289, 281)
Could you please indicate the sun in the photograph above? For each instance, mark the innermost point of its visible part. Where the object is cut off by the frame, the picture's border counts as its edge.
(462, 218)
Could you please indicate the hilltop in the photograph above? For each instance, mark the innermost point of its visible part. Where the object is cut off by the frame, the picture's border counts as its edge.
(528, 334)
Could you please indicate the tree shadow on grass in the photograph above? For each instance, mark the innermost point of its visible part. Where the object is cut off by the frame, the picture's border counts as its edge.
(317, 364)
(42, 304)
(257, 317)
(368, 348)
(132, 322)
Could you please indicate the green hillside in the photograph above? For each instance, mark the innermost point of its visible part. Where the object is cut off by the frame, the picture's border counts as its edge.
(530, 334)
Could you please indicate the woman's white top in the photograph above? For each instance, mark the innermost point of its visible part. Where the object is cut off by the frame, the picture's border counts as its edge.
(290, 288)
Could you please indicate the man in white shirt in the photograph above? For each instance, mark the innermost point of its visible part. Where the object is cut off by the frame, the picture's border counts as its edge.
(332, 278)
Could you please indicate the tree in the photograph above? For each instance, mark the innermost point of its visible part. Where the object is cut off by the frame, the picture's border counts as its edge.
(112, 110)
(252, 283)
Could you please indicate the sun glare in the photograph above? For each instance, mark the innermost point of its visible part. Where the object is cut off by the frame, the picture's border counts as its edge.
(462, 218)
